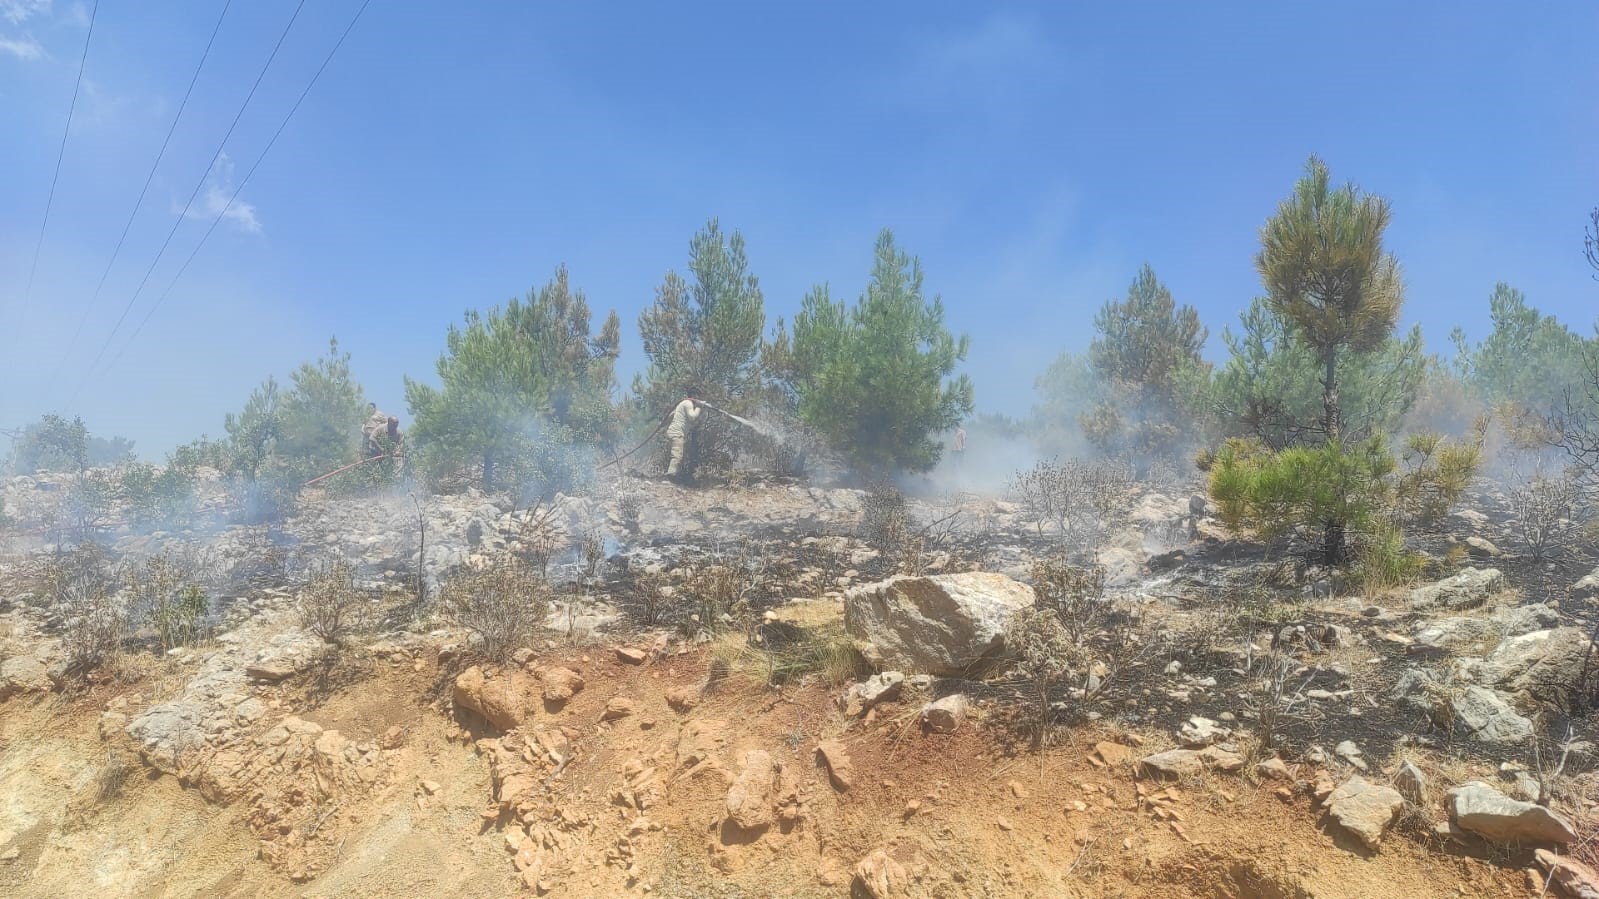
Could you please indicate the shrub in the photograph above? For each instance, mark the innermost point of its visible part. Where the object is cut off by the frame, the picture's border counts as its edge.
(92, 620)
(331, 606)
(168, 598)
(1434, 473)
(1083, 500)
(158, 497)
(1324, 495)
(504, 604)
(1549, 510)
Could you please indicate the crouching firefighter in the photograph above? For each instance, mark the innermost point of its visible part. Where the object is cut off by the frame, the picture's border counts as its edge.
(684, 419)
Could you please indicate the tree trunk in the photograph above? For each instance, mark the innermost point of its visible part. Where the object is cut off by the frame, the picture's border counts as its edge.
(488, 472)
(1333, 538)
(1329, 395)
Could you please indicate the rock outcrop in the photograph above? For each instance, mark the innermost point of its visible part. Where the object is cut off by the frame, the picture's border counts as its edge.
(945, 624)
(1364, 809)
(1483, 810)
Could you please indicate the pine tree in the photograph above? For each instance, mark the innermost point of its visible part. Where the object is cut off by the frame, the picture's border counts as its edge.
(703, 337)
(1146, 353)
(1327, 275)
(877, 380)
(524, 388)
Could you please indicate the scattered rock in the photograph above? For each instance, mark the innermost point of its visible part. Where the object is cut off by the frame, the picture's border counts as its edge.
(271, 672)
(1349, 752)
(23, 674)
(619, 707)
(1537, 664)
(1411, 783)
(1569, 876)
(946, 624)
(630, 656)
(498, 700)
(1198, 732)
(1483, 810)
(839, 769)
(878, 876)
(1586, 589)
(862, 697)
(1486, 716)
(1179, 763)
(682, 699)
(1113, 755)
(560, 684)
(1364, 809)
(1481, 549)
(1467, 589)
(750, 799)
(945, 716)
(1273, 769)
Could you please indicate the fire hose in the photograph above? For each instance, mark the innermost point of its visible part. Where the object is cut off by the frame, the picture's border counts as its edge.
(320, 478)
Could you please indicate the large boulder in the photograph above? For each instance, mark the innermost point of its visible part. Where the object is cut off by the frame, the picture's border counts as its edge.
(1467, 589)
(1364, 809)
(1483, 810)
(1486, 716)
(1474, 710)
(501, 700)
(945, 624)
(1541, 664)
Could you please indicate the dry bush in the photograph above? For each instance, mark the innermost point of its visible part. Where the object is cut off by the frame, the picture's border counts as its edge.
(504, 604)
(1268, 696)
(721, 591)
(1083, 500)
(113, 776)
(886, 523)
(1045, 655)
(1075, 594)
(169, 597)
(331, 606)
(652, 596)
(91, 617)
(1093, 653)
(630, 510)
(1548, 511)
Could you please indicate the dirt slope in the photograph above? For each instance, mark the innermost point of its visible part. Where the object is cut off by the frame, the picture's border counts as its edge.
(961, 813)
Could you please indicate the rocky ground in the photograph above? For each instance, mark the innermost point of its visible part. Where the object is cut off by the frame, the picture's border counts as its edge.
(1416, 729)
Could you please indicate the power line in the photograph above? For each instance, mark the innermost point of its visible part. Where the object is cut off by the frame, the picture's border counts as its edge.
(195, 193)
(137, 204)
(245, 180)
(27, 294)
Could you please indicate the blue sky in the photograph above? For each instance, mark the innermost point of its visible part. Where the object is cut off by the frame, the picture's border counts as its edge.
(1032, 155)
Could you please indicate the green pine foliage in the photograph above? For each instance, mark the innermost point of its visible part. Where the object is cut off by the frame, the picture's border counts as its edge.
(1328, 277)
(877, 380)
(526, 392)
(1270, 387)
(283, 438)
(702, 336)
(1146, 362)
(1530, 361)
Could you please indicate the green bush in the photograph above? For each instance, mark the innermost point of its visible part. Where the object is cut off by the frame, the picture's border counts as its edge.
(1359, 493)
(877, 380)
(524, 396)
